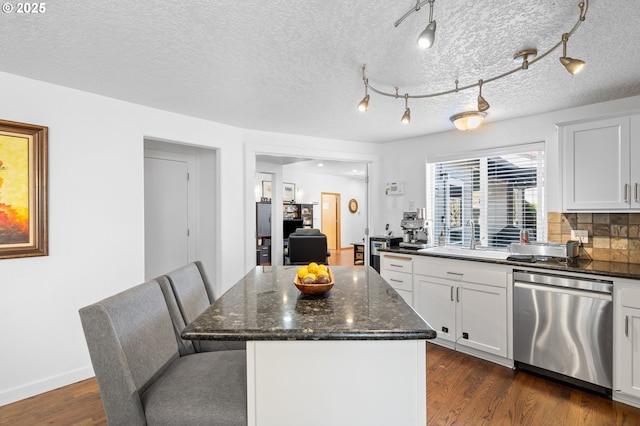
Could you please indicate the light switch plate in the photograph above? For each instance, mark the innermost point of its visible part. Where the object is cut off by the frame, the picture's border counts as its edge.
(582, 236)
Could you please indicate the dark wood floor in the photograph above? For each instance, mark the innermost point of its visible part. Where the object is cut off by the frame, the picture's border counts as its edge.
(461, 390)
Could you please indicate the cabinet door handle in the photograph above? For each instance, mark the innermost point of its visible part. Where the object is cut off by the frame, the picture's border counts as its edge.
(458, 294)
(626, 325)
(626, 192)
(637, 185)
(451, 288)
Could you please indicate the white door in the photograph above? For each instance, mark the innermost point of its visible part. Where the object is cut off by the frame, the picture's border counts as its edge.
(166, 221)
(628, 373)
(482, 317)
(435, 300)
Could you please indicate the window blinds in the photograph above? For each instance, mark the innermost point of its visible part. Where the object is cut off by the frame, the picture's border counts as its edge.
(501, 193)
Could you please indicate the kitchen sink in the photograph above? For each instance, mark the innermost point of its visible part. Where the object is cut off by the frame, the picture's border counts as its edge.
(477, 253)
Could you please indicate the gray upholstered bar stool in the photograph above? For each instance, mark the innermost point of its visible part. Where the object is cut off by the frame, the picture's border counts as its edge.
(144, 380)
(188, 293)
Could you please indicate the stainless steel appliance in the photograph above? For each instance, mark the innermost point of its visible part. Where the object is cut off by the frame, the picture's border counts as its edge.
(415, 230)
(569, 250)
(563, 328)
(377, 243)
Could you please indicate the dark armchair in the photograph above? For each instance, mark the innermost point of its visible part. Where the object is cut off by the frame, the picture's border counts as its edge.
(307, 245)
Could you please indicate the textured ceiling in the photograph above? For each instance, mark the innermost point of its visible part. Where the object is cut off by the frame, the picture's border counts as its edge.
(295, 67)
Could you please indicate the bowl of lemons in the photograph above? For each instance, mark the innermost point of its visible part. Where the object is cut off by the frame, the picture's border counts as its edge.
(313, 278)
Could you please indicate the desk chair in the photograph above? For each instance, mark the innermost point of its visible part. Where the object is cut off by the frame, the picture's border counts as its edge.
(307, 245)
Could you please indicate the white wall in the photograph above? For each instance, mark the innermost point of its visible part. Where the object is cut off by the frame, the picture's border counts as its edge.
(96, 222)
(309, 187)
(313, 184)
(405, 160)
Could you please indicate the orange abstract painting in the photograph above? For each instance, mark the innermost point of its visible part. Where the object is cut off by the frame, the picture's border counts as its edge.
(14, 189)
(23, 190)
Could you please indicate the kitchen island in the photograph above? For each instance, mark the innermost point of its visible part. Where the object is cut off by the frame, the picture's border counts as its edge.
(355, 355)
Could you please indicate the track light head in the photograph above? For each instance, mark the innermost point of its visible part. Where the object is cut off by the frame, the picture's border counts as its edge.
(364, 104)
(483, 105)
(406, 117)
(573, 66)
(426, 38)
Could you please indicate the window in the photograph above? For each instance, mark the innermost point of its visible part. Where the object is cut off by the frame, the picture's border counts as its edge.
(500, 191)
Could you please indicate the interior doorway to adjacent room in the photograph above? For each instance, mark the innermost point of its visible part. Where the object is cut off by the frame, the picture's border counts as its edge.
(330, 218)
(179, 189)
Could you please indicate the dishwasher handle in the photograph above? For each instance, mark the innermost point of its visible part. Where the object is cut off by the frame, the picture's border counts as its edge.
(564, 281)
(564, 290)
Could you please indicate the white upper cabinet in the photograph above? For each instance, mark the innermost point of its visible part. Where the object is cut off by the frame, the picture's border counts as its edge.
(600, 173)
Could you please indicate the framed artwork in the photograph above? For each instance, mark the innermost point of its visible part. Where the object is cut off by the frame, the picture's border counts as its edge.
(23, 190)
(289, 192)
(266, 190)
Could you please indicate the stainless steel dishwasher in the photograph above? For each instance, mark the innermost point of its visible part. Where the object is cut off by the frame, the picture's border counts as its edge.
(563, 328)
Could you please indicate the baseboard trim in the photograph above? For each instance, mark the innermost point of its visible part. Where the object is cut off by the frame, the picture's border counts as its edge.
(35, 388)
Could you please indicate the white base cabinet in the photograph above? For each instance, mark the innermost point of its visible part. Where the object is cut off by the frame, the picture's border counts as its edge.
(626, 342)
(336, 382)
(465, 302)
(397, 270)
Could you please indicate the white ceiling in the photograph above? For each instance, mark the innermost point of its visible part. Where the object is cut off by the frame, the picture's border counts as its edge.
(295, 67)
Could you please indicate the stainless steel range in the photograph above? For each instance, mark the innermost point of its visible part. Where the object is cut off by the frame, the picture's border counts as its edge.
(563, 327)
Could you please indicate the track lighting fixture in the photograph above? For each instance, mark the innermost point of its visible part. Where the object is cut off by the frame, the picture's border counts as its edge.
(483, 105)
(364, 103)
(406, 117)
(467, 120)
(573, 66)
(472, 119)
(428, 35)
(524, 56)
(426, 38)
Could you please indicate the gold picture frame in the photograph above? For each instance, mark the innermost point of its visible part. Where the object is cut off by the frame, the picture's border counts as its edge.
(23, 190)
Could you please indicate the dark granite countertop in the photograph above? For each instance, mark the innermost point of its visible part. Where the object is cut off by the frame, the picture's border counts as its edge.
(585, 266)
(266, 305)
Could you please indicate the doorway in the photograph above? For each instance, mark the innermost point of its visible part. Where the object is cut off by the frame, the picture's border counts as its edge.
(179, 190)
(166, 222)
(330, 219)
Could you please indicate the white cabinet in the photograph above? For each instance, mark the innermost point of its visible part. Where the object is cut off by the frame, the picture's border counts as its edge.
(465, 302)
(397, 270)
(626, 342)
(598, 171)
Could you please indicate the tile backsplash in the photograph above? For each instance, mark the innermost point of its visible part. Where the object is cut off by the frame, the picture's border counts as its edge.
(613, 237)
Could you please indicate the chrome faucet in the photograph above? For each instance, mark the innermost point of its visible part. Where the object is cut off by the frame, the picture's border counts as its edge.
(472, 239)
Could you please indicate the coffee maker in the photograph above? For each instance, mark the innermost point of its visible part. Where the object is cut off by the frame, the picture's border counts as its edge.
(415, 230)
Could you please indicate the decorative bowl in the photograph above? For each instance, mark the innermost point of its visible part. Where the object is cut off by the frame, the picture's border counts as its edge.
(314, 288)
